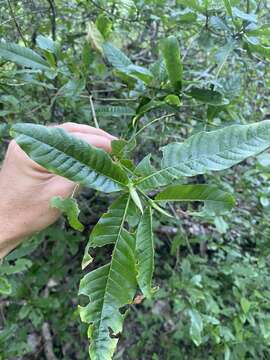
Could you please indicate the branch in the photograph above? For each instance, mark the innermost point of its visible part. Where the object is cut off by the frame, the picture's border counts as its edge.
(93, 111)
(93, 2)
(16, 23)
(53, 18)
(48, 342)
(45, 330)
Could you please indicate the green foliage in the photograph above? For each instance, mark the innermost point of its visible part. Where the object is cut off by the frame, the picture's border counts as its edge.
(5, 287)
(109, 288)
(190, 79)
(145, 252)
(215, 151)
(111, 223)
(211, 195)
(70, 208)
(114, 285)
(23, 56)
(65, 155)
(172, 58)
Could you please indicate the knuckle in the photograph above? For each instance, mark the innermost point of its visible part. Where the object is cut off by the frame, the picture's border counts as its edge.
(68, 124)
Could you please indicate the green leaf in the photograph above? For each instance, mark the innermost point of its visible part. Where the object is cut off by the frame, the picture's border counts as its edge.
(264, 201)
(70, 208)
(151, 178)
(5, 287)
(45, 43)
(196, 326)
(121, 150)
(221, 225)
(173, 100)
(4, 130)
(70, 157)
(122, 63)
(118, 148)
(107, 230)
(24, 311)
(145, 253)
(116, 111)
(139, 72)
(264, 159)
(95, 38)
(135, 197)
(244, 16)
(261, 31)
(228, 7)
(20, 265)
(126, 7)
(254, 45)
(218, 24)
(172, 57)
(218, 200)
(245, 305)
(109, 288)
(116, 57)
(193, 4)
(72, 88)
(26, 248)
(185, 16)
(159, 209)
(211, 151)
(223, 54)
(207, 96)
(158, 69)
(23, 56)
(104, 25)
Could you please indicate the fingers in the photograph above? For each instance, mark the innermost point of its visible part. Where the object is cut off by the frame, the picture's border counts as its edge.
(85, 129)
(98, 141)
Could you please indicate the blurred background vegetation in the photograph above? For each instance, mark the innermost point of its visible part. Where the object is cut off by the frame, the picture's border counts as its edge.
(212, 272)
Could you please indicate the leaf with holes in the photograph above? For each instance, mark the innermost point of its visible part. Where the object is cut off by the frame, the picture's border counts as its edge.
(107, 230)
(5, 287)
(109, 288)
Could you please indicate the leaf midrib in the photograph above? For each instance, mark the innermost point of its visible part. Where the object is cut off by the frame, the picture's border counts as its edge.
(82, 163)
(193, 159)
(109, 273)
(193, 199)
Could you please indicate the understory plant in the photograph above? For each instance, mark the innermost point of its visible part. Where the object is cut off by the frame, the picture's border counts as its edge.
(127, 225)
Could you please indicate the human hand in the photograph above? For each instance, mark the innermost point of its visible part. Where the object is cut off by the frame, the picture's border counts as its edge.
(26, 189)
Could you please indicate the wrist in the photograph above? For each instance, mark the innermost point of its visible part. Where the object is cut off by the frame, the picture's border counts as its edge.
(12, 231)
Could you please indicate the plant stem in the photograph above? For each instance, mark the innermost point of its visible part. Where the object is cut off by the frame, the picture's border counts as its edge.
(93, 111)
(16, 23)
(152, 122)
(181, 229)
(53, 18)
(248, 6)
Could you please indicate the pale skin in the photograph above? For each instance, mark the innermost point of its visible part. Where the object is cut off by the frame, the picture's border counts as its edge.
(26, 189)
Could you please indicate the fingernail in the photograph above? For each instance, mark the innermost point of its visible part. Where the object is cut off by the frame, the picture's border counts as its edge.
(113, 137)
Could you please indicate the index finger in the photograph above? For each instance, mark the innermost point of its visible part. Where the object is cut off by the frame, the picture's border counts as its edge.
(73, 127)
